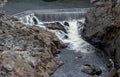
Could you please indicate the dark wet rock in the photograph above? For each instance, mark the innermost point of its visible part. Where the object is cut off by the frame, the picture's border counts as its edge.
(66, 23)
(109, 65)
(26, 51)
(64, 45)
(91, 69)
(102, 27)
(55, 26)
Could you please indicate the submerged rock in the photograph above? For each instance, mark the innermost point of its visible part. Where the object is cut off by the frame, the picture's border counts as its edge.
(26, 51)
(91, 69)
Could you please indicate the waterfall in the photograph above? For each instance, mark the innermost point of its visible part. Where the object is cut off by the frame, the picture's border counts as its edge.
(74, 39)
(77, 43)
(55, 14)
(74, 36)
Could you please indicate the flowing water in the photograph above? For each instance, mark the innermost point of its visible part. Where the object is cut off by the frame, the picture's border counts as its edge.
(50, 15)
(16, 6)
(78, 51)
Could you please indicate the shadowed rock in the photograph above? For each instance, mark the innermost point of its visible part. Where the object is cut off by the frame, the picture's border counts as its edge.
(102, 27)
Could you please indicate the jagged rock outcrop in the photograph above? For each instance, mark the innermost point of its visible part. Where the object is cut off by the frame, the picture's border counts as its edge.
(26, 51)
(102, 27)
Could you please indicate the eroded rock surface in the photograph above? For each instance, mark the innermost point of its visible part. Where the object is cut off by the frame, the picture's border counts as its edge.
(102, 27)
(26, 51)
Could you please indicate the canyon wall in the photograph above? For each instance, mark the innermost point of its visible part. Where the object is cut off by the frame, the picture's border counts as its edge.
(102, 27)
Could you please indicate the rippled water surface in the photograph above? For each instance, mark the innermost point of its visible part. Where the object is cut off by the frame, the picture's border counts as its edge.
(16, 6)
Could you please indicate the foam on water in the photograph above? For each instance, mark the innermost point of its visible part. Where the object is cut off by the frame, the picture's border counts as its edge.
(77, 43)
(74, 39)
(78, 51)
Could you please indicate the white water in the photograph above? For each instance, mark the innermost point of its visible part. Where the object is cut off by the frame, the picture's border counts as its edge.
(77, 43)
(74, 39)
(78, 51)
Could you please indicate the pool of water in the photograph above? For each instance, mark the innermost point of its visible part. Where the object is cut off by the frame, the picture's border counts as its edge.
(16, 6)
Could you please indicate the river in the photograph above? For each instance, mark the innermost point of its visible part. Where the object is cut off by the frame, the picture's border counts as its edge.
(16, 6)
(78, 52)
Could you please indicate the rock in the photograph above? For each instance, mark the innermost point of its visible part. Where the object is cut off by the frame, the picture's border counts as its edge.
(55, 26)
(60, 62)
(112, 72)
(102, 27)
(97, 3)
(91, 69)
(88, 70)
(66, 23)
(10, 37)
(92, 1)
(64, 45)
(8, 65)
(27, 51)
(1, 31)
(98, 71)
(109, 65)
(118, 72)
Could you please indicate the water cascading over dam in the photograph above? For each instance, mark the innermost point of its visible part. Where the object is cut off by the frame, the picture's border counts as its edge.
(78, 51)
(49, 15)
(75, 18)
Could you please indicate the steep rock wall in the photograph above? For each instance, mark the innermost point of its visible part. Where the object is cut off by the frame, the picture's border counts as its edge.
(102, 27)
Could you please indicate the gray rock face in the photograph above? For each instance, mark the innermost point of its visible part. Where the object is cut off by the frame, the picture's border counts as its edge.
(102, 27)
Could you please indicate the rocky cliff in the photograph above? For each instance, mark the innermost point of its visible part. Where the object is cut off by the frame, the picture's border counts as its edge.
(102, 27)
(26, 51)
